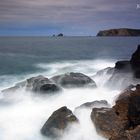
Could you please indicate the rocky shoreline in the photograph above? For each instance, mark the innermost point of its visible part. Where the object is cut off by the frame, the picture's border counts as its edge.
(120, 122)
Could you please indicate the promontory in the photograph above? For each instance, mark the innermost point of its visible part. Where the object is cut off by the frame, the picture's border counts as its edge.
(119, 32)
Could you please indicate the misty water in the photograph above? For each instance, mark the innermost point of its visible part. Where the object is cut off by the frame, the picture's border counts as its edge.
(22, 114)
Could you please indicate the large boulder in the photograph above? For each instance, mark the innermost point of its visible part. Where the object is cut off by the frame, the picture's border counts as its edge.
(58, 122)
(122, 121)
(72, 79)
(38, 84)
(41, 84)
(106, 122)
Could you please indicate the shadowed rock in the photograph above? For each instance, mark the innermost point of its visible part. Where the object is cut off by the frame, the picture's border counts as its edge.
(57, 122)
(73, 80)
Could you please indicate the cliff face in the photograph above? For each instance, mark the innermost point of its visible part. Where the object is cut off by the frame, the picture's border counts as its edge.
(120, 32)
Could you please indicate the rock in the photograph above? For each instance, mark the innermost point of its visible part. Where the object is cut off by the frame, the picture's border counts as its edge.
(119, 32)
(107, 70)
(106, 122)
(60, 35)
(73, 80)
(135, 62)
(58, 122)
(122, 121)
(94, 104)
(38, 84)
(41, 84)
(123, 66)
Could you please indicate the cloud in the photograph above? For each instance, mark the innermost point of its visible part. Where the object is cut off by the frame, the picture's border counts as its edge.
(66, 12)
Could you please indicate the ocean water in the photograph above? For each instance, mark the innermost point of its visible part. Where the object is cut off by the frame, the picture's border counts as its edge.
(23, 114)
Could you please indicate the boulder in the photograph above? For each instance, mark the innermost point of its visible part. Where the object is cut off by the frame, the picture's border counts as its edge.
(69, 80)
(58, 122)
(122, 121)
(106, 122)
(41, 84)
(38, 84)
(94, 104)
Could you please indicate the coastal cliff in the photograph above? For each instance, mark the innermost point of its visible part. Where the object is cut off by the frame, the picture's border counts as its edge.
(119, 32)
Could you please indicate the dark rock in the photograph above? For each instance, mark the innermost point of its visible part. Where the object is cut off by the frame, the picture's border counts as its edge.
(123, 66)
(58, 121)
(60, 35)
(119, 32)
(135, 62)
(41, 84)
(73, 80)
(94, 104)
(38, 84)
(123, 119)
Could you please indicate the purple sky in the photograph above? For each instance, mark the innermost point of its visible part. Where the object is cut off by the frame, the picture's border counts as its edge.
(71, 17)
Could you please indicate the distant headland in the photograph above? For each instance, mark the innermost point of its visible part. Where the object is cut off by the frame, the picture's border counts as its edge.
(119, 32)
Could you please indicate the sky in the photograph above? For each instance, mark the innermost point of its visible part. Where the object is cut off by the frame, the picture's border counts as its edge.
(70, 17)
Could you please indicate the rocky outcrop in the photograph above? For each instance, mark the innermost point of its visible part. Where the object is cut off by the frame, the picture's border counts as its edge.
(135, 62)
(41, 84)
(38, 84)
(126, 72)
(122, 121)
(119, 32)
(71, 80)
(58, 122)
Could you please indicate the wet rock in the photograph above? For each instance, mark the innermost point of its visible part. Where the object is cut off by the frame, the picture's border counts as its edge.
(41, 84)
(58, 121)
(38, 84)
(123, 119)
(106, 122)
(94, 104)
(73, 80)
(123, 66)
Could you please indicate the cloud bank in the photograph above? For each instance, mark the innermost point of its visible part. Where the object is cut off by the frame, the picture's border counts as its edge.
(70, 16)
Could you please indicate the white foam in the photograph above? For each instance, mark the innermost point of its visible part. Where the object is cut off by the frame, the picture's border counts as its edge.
(23, 118)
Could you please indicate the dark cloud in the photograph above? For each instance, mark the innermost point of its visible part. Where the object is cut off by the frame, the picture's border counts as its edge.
(68, 13)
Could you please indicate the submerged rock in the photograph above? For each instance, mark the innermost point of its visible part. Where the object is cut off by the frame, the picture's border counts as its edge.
(123, 119)
(73, 80)
(57, 122)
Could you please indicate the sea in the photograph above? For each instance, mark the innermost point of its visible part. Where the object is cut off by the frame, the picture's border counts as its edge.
(22, 114)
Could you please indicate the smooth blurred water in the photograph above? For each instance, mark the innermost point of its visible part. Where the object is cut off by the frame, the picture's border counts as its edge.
(19, 55)
(23, 115)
